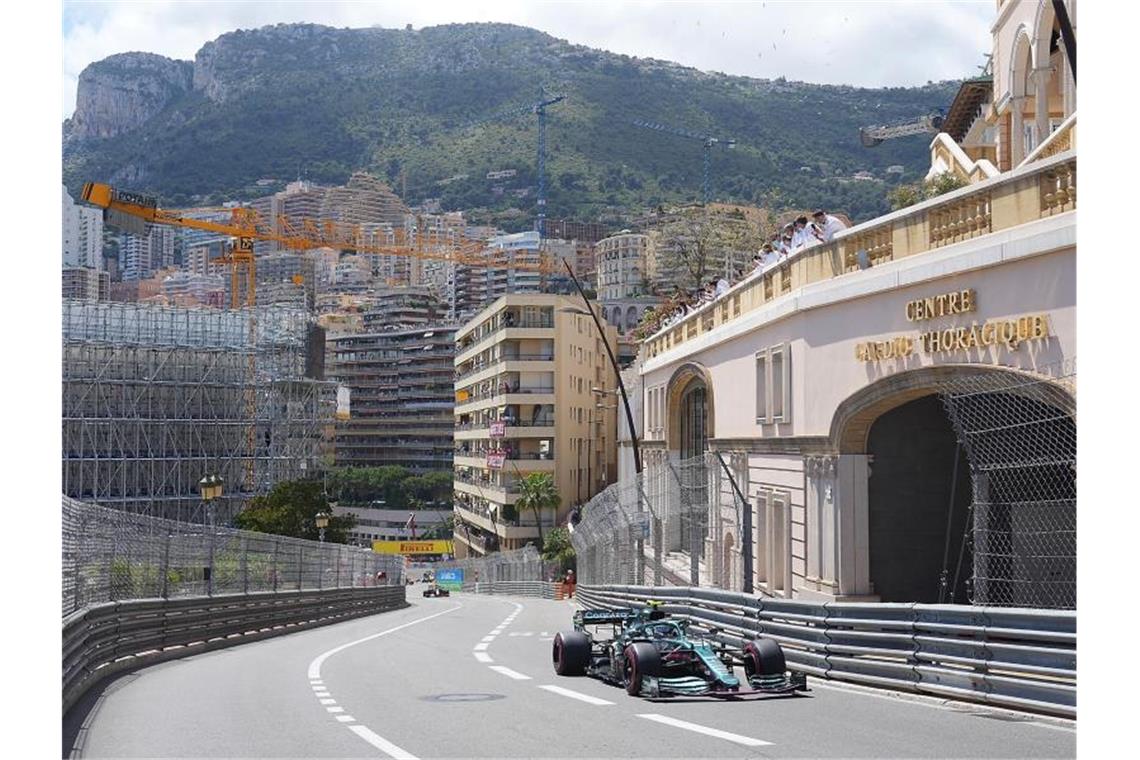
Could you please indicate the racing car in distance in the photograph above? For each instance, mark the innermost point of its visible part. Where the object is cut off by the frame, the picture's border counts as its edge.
(653, 655)
(436, 590)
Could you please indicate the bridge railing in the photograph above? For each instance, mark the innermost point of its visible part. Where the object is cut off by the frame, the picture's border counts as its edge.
(1017, 658)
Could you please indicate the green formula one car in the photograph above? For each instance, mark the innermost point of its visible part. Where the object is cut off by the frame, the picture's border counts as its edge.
(652, 655)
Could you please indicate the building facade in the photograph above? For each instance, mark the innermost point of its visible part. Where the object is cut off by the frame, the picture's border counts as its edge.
(622, 266)
(525, 372)
(82, 235)
(898, 398)
(86, 284)
(402, 397)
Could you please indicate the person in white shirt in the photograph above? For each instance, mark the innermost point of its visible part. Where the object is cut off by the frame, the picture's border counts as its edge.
(827, 225)
(801, 235)
(721, 287)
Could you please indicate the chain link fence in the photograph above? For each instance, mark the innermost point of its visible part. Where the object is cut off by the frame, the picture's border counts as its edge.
(678, 523)
(1019, 434)
(111, 555)
(524, 564)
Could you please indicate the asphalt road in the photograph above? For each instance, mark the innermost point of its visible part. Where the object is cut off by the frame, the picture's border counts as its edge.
(471, 676)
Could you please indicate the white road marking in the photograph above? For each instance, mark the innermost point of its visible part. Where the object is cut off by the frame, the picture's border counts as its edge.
(317, 682)
(315, 665)
(576, 695)
(377, 741)
(483, 657)
(509, 673)
(548, 638)
(382, 744)
(488, 639)
(481, 646)
(346, 719)
(745, 740)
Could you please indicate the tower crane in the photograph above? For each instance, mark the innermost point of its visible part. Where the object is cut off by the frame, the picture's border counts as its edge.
(539, 107)
(133, 211)
(709, 143)
(871, 136)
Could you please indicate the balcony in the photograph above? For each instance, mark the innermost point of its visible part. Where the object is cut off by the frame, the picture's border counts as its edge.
(1042, 188)
(508, 363)
(501, 322)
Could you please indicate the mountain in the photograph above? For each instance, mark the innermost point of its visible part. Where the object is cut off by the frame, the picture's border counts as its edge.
(298, 99)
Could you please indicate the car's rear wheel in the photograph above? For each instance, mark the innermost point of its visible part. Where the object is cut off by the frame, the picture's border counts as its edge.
(763, 657)
(641, 659)
(571, 653)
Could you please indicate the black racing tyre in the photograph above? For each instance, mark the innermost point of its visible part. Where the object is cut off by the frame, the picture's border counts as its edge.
(571, 653)
(763, 657)
(640, 659)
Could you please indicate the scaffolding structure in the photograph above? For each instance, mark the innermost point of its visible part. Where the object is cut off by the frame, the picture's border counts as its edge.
(156, 397)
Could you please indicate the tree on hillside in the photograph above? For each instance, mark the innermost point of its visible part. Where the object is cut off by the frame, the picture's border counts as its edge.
(536, 493)
(290, 509)
(698, 246)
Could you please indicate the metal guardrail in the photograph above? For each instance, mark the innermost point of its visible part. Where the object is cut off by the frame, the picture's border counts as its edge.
(540, 589)
(1018, 658)
(108, 638)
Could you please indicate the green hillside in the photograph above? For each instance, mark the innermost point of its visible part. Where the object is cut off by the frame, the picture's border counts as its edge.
(292, 100)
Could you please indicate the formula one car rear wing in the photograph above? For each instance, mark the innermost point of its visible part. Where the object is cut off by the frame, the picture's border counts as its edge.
(615, 616)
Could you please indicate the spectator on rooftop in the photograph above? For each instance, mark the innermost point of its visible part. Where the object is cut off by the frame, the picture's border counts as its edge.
(827, 225)
(722, 287)
(801, 237)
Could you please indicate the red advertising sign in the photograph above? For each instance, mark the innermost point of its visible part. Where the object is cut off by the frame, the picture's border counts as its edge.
(495, 460)
(498, 429)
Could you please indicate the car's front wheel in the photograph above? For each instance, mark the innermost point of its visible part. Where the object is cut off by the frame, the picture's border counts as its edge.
(641, 659)
(763, 657)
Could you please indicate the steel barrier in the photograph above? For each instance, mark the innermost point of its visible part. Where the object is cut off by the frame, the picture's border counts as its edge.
(1017, 658)
(539, 589)
(105, 639)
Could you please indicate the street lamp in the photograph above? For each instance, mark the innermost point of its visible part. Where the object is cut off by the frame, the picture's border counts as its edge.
(210, 487)
(322, 523)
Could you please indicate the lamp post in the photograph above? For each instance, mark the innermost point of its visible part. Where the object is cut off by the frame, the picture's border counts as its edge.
(322, 523)
(210, 487)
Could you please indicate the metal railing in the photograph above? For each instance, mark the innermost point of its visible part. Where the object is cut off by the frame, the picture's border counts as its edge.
(1017, 658)
(110, 555)
(108, 638)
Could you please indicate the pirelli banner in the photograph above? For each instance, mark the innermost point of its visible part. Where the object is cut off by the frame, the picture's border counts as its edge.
(412, 548)
(1010, 333)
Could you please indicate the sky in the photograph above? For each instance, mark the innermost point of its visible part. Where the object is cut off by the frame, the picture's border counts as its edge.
(869, 43)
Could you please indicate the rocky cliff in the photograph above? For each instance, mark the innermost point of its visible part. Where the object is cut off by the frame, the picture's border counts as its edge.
(123, 92)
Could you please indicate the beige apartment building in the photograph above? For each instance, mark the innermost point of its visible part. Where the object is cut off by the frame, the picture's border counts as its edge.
(622, 265)
(525, 372)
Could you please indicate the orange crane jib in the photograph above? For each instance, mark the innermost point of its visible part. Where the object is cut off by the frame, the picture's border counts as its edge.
(246, 226)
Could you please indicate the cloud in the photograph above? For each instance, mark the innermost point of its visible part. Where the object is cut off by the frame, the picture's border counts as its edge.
(866, 43)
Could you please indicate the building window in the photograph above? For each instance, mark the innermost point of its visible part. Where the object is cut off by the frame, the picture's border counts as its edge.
(779, 383)
(762, 387)
(773, 384)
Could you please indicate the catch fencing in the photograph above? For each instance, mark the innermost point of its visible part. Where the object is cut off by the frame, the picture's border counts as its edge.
(687, 523)
(1016, 658)
(1019, 434)
(666, 525)
(110, 555)
(524, 564)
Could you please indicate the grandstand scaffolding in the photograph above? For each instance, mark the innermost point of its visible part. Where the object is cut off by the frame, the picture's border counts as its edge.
(156, 397)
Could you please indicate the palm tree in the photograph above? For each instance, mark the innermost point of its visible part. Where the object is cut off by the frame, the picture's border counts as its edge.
(536, 493)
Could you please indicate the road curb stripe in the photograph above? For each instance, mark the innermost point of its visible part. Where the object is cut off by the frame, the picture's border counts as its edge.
(509, 673)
